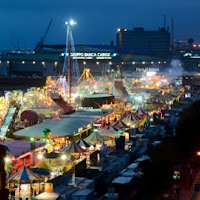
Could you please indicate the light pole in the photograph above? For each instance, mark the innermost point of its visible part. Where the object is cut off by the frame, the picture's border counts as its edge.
(68, 51)
(121, 50)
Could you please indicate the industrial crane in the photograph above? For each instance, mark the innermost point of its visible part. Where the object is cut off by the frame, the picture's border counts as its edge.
(42, 40)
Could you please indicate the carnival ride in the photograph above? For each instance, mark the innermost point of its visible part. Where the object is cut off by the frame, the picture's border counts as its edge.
(86, 76)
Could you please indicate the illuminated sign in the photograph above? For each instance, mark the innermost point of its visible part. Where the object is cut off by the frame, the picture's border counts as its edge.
(91, 56)
(147, 69)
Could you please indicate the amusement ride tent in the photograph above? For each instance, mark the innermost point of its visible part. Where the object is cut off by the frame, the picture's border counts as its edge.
(24, 176)
(83, 144)
(73, 148)
(94, 138)
(120, 125)
(106, 132)
(131, 120)
(140, 112)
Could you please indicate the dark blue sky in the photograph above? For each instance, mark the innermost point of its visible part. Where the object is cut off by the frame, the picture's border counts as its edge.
(97, 20)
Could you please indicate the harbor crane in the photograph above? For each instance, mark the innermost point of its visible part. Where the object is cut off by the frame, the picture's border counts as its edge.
(42, 40)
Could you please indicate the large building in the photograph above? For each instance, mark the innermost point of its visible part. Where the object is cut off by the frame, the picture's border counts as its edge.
(138, 38)
(49, 60)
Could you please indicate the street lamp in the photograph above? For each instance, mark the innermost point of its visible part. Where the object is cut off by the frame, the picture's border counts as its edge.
(68, 50)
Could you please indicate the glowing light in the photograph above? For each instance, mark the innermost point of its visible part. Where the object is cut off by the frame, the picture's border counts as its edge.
(119, 29)
(8, 62)
(0, 61)
(150, 74)
(71, 22)
(56, 63)
(84, 63)
(32, 139)
(110, 63)
(7, 159)
(133, 63)
(63, 157)
(43, 62)
(151, 62)
(97, 63)
(23, 62)
(143, 62)
(33, 62)
(40, 156)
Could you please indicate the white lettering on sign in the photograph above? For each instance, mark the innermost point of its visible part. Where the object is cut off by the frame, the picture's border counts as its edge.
(90, 56)
(148, 69)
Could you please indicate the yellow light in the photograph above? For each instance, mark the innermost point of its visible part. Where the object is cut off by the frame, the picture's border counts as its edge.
(56, 63)
(118, 29)
(84, 63)
(97, 63)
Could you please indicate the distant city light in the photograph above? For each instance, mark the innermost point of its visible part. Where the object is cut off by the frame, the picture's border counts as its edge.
(33, 62)
(23, 62)
(133, 63)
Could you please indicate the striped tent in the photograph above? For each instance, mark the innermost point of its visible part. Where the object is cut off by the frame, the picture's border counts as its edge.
(112, 128)
(73, 147)
(120, 125)
(82, 143)
(131, 119)
(94, 137)
(24, 175)
(107, 132)
(140, 112)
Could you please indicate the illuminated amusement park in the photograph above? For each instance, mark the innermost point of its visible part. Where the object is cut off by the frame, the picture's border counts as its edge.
(78, 122)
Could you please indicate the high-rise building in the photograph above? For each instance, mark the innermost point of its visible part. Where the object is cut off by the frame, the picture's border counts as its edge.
(138, 38)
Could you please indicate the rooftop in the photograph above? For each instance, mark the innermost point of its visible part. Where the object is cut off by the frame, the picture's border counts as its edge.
(20, 147)
(65, 126)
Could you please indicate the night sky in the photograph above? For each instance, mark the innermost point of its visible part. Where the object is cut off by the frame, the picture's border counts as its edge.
(98, 20)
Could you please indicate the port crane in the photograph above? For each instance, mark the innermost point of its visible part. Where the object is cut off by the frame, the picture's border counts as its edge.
(42, 40)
